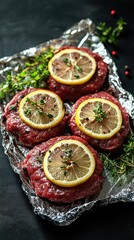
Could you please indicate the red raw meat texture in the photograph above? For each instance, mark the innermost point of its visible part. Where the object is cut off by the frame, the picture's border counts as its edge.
(27, 135)
(68, 92)
(33, 168)
(112, 144)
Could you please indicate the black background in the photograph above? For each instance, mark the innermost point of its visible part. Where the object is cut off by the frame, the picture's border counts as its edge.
(25, 24)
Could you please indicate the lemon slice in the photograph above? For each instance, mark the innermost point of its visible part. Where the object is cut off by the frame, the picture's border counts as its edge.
(72, 66)
(98, 118)
(41, 109)
(68, 163)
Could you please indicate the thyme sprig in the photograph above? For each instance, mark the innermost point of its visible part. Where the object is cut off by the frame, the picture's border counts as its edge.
(99, 113)
(34, 74)
(109, 34)
(123, 164)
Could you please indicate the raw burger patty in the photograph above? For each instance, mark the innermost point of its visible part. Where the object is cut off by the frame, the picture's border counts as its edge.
(33, 169)
(67, 92)
(108, 144)
(26, 135)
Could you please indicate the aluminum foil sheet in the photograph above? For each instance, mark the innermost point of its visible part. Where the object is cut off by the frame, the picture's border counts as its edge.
(81, 34)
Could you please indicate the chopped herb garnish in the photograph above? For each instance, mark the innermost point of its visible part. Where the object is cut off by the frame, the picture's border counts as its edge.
(28, 100)
(12, 107)
(38, 108)
(42, 102)
(77, 76)
(49, 115)
(27, 111)
(67, 62)
(40, 111)
(68, 153)
(79, 69)
(67, 162)
(39, 158)
(65, 173)
(33, 103)
(99, 113)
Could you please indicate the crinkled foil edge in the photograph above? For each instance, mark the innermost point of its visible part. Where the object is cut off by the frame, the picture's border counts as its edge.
(81, 34)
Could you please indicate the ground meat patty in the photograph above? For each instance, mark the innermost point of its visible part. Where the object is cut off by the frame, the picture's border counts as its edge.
(33, 168)
(114, 142)
(26, 135)
(67, 92)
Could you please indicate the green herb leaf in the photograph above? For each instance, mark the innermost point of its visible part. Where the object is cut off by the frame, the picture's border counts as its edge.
(49, 115)
(27, 111)
(68, 153)
(78, 68)
(67, 62)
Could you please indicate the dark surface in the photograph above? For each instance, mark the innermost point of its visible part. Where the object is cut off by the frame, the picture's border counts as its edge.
(27, 23)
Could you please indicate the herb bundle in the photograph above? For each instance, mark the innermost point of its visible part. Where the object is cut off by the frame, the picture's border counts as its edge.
(123, 164)
(34, 74)
(110, 34)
